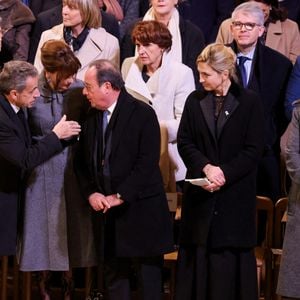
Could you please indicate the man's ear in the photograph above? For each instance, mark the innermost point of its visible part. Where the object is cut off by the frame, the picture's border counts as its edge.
(261, 31)
(12, 96)
(107, 85)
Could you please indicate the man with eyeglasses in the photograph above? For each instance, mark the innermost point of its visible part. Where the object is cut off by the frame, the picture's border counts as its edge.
(265, 71)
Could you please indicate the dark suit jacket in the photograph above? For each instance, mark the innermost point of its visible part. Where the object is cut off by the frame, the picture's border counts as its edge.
(192, 41)
(269, 78)
(17, 156)
(225, 218)
(53, 16)
(141, 225)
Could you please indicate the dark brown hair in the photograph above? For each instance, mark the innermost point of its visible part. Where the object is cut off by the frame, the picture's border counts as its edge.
(146, 32)
(56, 56)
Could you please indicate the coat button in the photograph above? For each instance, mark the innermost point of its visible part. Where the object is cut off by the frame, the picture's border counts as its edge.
(216, 212)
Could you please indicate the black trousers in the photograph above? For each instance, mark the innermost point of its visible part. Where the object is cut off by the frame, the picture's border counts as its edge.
(146, 271)
(219, 274)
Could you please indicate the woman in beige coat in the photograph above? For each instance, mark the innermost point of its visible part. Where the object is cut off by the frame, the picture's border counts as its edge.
(82, 32)
(281, 34)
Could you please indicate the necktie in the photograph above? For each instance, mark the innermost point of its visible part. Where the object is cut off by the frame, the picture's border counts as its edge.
(104, 125)
(242, 60)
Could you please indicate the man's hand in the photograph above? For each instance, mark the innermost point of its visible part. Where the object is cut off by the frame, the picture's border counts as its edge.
(113, 200)
(98, 202)
(65, 129)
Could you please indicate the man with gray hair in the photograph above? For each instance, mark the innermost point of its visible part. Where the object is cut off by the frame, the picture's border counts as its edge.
(266, 72)
(18, 155)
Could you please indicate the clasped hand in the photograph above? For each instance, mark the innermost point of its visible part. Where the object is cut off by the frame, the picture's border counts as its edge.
(99, 202)
(216, 176)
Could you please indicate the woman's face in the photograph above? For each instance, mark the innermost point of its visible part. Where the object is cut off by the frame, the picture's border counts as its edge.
(163, 7)
(61, 85)
(265, 8)
(150, 55)
(71, 16)
(211, 80)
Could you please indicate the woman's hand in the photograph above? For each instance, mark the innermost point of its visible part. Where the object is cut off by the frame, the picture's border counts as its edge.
(215, 175)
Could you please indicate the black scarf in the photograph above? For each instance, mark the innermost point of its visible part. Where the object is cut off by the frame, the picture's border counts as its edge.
(75, 43)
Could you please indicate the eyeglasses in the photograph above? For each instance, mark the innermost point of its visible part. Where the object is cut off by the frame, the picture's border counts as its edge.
(248, 26)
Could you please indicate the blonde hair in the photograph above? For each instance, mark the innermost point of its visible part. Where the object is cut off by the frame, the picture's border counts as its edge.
(220, 58)
(89, 11)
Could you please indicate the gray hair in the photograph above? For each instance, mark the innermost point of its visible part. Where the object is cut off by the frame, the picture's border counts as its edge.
(106, 71)
(249, 8)
(14, 76)
(220, 58)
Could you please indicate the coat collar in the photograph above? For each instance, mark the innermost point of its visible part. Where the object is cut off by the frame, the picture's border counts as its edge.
(230, 105)
(134, 80)
(11, 118)
(274, 34)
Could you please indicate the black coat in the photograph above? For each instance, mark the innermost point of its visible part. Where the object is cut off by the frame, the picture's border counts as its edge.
(269, 77)
(225, 218)
(192, 41)
(17, 156)
(49, 18)
(142, 223)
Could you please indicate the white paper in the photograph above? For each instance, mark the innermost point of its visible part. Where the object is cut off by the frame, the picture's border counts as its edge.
(199, 181)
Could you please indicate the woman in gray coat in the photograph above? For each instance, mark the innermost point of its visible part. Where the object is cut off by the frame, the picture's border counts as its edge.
(289, 273)
(57, 228)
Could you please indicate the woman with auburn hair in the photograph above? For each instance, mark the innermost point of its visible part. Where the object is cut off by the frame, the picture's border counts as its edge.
(57, 229)
(81, 30)
(162, 82)
(187, 38)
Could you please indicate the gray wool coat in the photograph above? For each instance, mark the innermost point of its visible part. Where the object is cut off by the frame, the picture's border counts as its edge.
(57, 229)
(289, 273)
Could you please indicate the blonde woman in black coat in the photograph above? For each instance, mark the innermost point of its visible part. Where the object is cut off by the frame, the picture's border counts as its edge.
(220, 138)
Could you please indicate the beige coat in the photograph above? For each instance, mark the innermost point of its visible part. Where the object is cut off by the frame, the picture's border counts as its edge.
(99, 44)
(283, 37)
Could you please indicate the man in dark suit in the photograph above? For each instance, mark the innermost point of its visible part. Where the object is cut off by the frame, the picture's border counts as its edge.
(119, 175)
(51, 17)
(266, 71)
(18, 88)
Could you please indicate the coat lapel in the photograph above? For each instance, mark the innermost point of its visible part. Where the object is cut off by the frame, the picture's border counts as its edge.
(207, 106)
(93, 45)
(135, 82)
(14, 121)
(229, 107)
(119, 119)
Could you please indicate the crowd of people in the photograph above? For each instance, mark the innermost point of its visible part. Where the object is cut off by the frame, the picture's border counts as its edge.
(93, 92)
